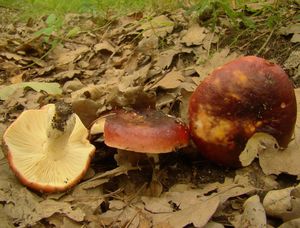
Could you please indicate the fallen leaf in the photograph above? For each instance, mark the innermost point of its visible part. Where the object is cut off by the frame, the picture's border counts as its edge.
(253, 176)
(254, 214)
(171, 80)
(5, 220)
(282, 204)
(159, 26)
(276, 161)
(213, 225)
(66, 56)
(165, 58)
(104, 46)
(50, 88)
(148, 44)
(194, 35)
(258, 143)
(197, 214)
(291, 224)
(292, 29)
(293, 61)
(219, 58)
(69, 74)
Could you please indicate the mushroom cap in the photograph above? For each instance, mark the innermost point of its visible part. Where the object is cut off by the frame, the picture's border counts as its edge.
(242, 97)
(144, 131)
(43, 168)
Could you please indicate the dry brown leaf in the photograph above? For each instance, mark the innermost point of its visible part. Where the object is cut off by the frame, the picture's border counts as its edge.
(256, 145)
(197, 214)
(293, 61)
(213, 225)
(292, 29)
(217, 59)
(291, 224)
(104, 46)
(164, 59)
(66, 56)
(254, 214)
(86, 109)
(6, 222)
(69, 74)
(171, 80)
(253, 176)
(60, 221)
(194, 35)
(159, 26)
(280, 203)
(17, 78)
(10, 56)
(148, 44)
(275, 161)
(44, 70)
(72, 85)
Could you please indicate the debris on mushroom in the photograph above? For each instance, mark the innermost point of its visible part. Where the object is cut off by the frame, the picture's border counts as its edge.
(48, 149)
(245, 96)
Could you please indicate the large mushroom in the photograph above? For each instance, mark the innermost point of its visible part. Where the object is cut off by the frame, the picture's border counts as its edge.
(245, 96)
(48, 149)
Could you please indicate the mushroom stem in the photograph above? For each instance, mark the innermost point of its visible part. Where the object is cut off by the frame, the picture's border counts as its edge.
(154, 158)
(59, 131)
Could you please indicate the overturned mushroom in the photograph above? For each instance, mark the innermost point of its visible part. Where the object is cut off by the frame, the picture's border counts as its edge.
(48, 149)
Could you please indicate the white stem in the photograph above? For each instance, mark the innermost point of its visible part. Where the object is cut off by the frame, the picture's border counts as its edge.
(57, 139)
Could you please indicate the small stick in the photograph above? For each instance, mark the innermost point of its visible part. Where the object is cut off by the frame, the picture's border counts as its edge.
(265, 43)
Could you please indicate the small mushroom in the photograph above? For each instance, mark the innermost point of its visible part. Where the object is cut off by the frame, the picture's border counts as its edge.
(48, 149)
(145, 131)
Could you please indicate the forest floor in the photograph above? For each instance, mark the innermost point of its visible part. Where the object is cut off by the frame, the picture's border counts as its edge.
(141, 59)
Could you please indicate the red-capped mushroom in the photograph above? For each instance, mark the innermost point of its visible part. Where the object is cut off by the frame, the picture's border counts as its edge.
(138, 132)
(48, 149)
(144, 131)
(242, 97)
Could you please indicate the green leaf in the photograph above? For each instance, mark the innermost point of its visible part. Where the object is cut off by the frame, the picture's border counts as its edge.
(51, 19)
(51, 88)
(73, 32)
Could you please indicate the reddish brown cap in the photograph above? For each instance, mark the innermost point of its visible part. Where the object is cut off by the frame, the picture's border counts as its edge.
(245, 96)
(145, 131)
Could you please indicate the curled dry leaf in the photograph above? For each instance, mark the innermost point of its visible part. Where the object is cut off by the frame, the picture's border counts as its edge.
(104, 46)
(256, 145)
(276, 161)
(291, 224)
(254, 214)
(283, 203)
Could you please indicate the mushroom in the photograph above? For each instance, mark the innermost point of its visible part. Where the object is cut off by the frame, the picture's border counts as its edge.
(245, 96)
(145, 131)
(48, 149)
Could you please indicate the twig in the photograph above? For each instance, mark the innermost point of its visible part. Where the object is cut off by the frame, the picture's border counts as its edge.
(266, 42)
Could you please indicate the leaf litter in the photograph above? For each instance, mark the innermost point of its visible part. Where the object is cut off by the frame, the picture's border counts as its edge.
(140, 61)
